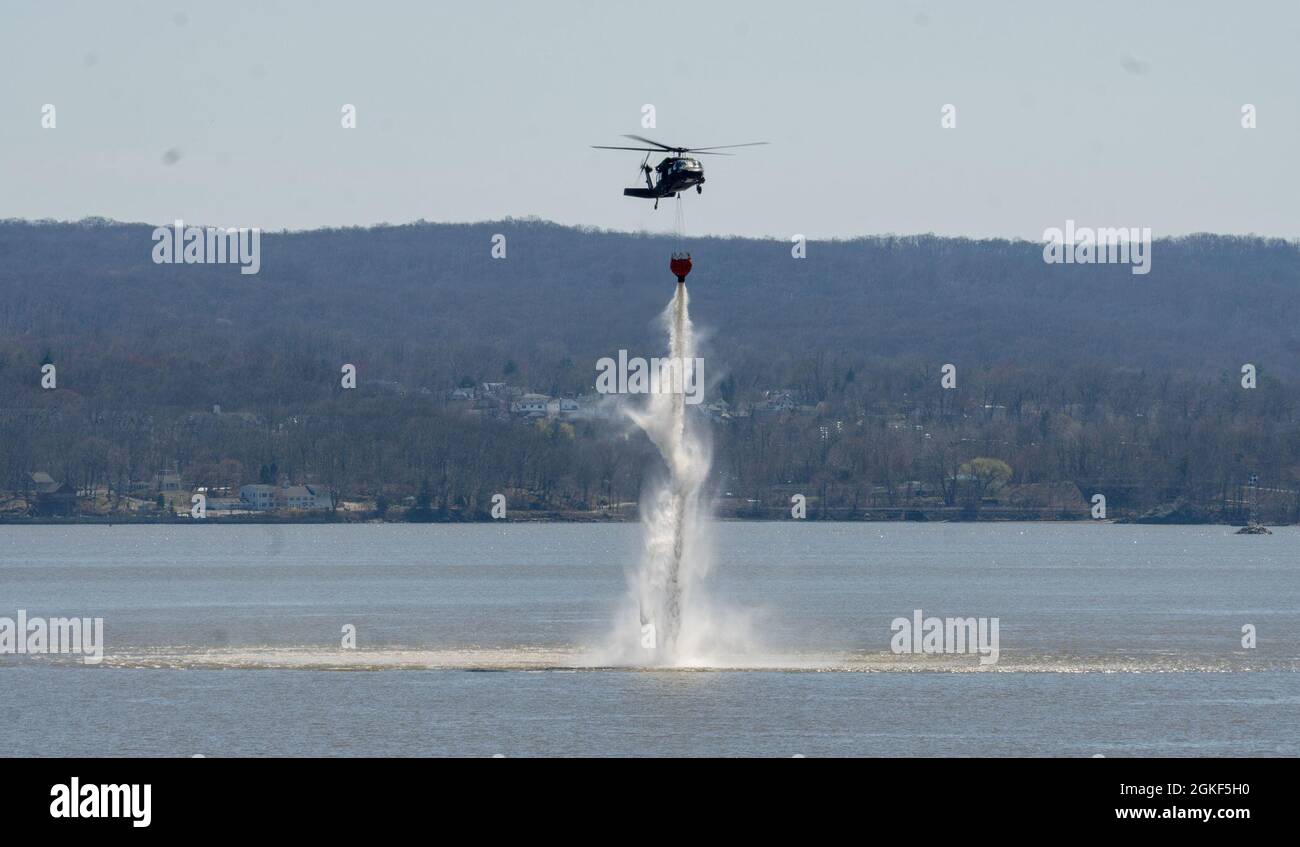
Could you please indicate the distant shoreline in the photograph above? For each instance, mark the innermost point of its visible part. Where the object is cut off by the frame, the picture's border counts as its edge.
(772, 516)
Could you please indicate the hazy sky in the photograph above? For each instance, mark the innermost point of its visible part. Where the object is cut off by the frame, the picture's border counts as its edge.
(228, 113)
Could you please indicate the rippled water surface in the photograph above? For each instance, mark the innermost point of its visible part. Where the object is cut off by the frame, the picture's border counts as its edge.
(484, 639)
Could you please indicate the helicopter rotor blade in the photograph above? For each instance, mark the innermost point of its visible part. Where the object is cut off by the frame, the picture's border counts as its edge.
(664, 148)
(651, 141)
(724, 146)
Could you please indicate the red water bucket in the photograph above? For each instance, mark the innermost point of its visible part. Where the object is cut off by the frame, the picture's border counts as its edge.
(680, 265)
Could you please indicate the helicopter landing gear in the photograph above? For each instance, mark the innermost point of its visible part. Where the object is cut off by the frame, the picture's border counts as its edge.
(656, 202)
(699, 189)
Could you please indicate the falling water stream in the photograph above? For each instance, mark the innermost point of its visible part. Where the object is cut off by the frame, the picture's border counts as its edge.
(680, 624)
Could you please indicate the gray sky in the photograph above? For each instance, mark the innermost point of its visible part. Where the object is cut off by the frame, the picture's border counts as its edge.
(1113, 114)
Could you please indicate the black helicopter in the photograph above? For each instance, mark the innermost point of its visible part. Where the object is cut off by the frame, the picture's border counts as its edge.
(677, 173)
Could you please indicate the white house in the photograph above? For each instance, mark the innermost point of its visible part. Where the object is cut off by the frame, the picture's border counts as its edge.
(303, 498)
(258, 496)
(530, 404)
(167, 481)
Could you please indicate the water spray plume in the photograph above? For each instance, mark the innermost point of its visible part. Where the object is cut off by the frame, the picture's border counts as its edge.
(680, 625)
(666, 543)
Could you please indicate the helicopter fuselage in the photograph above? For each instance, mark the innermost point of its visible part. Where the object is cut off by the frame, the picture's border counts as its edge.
(675, 174)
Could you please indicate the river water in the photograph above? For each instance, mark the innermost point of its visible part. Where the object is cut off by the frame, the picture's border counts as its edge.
(476, 640)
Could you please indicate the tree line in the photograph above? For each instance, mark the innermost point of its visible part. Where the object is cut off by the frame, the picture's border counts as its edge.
(1076, 374)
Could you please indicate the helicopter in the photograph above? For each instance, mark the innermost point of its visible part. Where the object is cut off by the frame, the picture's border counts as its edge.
(677, 173)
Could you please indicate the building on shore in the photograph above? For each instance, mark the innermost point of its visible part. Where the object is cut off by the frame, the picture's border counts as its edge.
(269, 498)
(48, 497)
